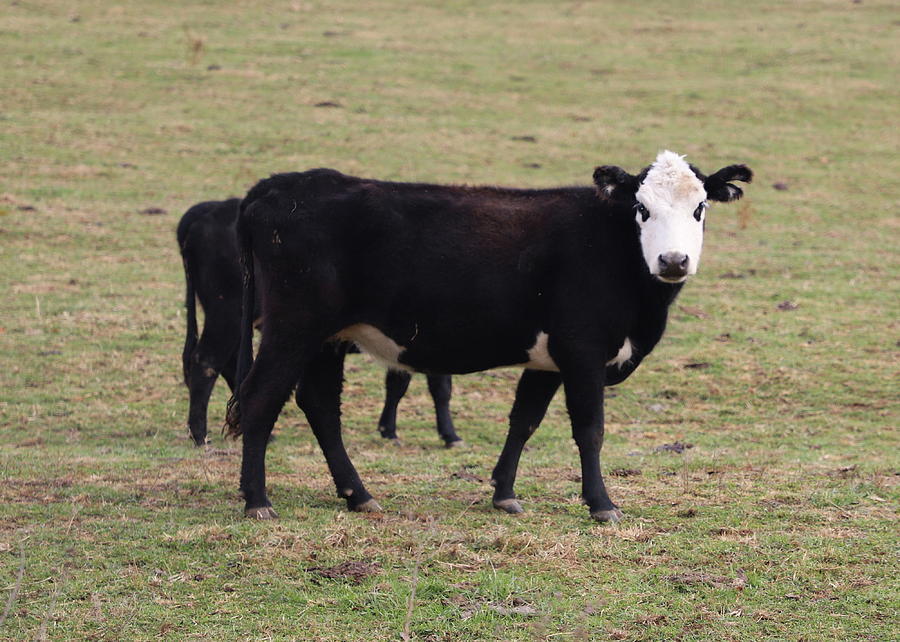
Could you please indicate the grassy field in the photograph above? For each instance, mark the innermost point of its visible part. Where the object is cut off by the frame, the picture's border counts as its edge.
(780, 367)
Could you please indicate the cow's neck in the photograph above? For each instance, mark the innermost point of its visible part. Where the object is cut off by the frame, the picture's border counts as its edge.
(652, 297)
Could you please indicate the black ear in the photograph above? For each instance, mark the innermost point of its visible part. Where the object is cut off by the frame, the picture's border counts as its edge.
(614, 183)
(718, 187)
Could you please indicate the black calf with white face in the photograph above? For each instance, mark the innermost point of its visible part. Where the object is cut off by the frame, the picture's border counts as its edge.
(571, 284)
(670, 199)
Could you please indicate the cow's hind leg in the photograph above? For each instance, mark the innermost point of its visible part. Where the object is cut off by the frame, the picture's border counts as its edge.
(262, 395)
(440, 387)
(319, 396)
(396, 382)
(228, 372)
(533, 395)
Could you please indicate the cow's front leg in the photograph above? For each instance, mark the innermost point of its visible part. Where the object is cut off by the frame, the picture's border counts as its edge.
(533, 394)
(584, 400)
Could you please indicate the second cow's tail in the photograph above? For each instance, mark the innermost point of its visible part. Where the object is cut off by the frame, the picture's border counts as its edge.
(191, 337)
(245, 351)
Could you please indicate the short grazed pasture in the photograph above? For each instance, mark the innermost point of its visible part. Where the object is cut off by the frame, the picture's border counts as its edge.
(778, 376)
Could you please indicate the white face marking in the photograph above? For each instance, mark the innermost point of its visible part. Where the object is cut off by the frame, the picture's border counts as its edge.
(624, 355)
(373, 341)
(671, 193)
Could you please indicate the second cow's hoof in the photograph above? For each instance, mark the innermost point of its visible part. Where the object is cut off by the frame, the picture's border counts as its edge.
(370, 506)
(389, 435)
(511, 505)
(262, 512)
(611, 516)
(459, 443)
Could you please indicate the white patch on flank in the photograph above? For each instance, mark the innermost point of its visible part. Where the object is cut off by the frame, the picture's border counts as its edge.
(373, 341)
(624, 355)
(671, 192)
(538, 356)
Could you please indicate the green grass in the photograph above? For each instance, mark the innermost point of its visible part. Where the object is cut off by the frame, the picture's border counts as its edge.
(779, 522)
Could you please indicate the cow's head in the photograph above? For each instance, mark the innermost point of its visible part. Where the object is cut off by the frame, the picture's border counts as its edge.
(670, 199)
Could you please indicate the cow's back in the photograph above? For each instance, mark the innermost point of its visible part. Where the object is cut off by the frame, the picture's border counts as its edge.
(206, 236)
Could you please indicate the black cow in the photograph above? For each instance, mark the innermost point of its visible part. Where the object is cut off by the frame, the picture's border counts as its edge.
(212, 270)
(573, 284)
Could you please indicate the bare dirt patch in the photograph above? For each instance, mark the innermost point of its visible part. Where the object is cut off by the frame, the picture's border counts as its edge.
(354, 571)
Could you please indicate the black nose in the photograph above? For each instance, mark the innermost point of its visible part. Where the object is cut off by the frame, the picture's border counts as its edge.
(673, 265)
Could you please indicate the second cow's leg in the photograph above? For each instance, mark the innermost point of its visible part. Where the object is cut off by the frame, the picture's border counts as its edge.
(228, 371)
(533, 395)
(441, 387)
(201, 378)
(396, 382)
(212, 356)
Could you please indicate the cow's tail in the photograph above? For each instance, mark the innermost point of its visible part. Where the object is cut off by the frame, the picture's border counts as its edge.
(245, 351)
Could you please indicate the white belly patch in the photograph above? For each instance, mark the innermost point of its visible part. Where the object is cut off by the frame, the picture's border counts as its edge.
(385, 350)
(539, 357)
(373, 341)
(624, 355)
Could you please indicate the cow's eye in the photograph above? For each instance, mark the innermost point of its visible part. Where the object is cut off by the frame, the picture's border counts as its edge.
(643, 211)
(698, 213)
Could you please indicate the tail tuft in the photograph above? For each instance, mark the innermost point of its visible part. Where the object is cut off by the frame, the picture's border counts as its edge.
(232, 427)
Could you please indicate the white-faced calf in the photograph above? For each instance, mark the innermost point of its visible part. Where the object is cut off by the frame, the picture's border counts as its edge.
(572, 284)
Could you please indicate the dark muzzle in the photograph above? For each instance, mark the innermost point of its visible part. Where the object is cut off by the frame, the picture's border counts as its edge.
(673, 265)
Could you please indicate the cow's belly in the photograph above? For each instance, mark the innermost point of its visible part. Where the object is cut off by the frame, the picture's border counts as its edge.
(374, 342)
(446, 355)
(539, 356)
(455, 361)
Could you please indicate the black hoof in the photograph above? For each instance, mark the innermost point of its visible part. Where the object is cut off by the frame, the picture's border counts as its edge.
(456, 443)
(387, 434)
(199, 440)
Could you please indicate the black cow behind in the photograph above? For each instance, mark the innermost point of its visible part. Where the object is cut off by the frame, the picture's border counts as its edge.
(573, 284)
(208, 243)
